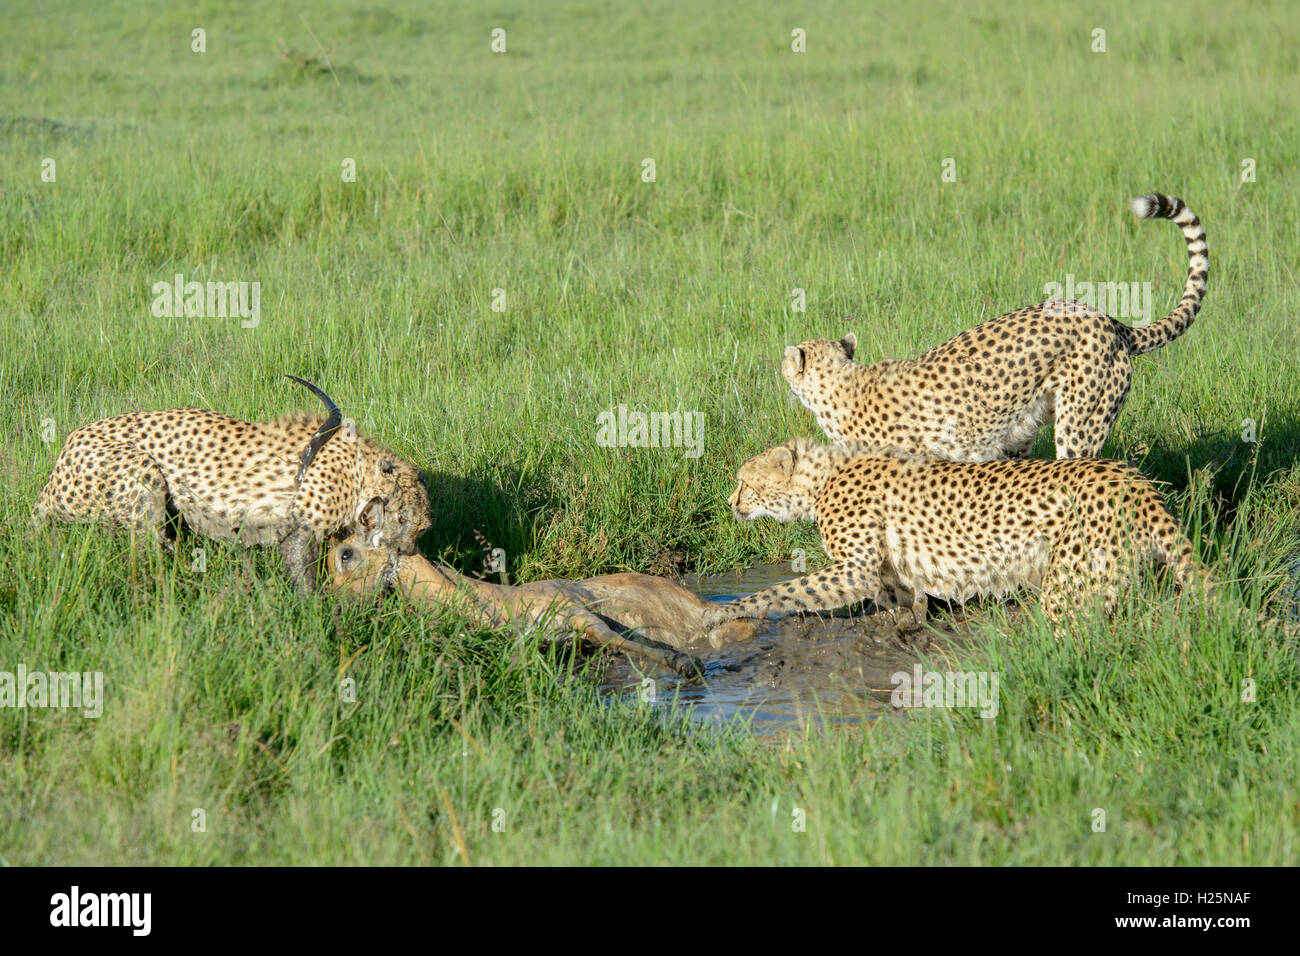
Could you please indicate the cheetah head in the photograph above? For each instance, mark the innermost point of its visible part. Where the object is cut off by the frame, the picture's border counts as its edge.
(772, 485)
(812, 366)
(397, 504)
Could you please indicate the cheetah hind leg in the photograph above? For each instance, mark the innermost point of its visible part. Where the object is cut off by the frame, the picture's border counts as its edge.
(112, 482)
(1084, 417)
(136, 495)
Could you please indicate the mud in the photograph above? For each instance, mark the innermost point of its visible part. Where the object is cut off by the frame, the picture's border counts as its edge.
(769, 675)
(822, 669)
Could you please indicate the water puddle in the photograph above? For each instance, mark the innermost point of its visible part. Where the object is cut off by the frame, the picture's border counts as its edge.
(825, 670)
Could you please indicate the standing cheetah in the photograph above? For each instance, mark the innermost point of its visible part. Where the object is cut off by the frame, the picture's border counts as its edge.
(282, 483)
(956, 530)
(984, 394)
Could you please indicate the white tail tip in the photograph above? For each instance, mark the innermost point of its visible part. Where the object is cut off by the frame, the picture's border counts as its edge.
(1144, 207)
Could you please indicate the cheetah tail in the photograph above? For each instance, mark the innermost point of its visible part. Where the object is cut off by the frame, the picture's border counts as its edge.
(1158, 206)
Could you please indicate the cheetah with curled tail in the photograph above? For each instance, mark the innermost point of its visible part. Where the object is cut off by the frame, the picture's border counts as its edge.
(287, 483)
(1068, 529)
(984, 394)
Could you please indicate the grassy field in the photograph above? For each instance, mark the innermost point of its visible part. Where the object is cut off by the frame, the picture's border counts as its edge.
(523, 172)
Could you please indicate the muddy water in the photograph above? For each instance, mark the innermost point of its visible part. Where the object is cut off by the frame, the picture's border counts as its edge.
(818, 669)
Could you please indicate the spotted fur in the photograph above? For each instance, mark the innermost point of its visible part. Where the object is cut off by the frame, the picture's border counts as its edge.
(984, 394)
(1067, 529)
(286, 483)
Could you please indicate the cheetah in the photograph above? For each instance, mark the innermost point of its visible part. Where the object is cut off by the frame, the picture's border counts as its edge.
(281, 483)
(984, 394)
(1068, 529)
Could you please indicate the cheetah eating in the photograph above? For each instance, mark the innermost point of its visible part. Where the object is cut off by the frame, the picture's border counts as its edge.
(288, 483)
(1068, 529)
(984, 394)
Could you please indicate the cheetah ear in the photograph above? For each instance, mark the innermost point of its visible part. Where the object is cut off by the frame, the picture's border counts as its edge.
(849, 344)
(783, 456)
(371, 518)
(794, 359)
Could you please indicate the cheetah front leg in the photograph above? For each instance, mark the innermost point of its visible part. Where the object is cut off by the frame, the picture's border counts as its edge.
(839, 585)
(300, 549)
(906, 607)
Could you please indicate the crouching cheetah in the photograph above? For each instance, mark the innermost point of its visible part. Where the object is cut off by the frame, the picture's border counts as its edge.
(283, 483)
(956, 530)
(984, 394)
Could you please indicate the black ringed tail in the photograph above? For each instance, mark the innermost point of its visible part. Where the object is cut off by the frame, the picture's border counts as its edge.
(1159, 206)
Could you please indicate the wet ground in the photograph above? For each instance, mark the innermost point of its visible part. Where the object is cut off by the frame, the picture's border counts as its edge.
(830, 670)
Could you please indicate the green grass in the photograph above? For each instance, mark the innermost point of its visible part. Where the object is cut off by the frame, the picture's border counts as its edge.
(522, 172)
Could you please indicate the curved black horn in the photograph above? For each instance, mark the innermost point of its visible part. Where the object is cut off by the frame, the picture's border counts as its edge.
(326, 430)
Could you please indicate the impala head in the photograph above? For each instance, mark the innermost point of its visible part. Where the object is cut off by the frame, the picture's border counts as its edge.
(361, 567)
